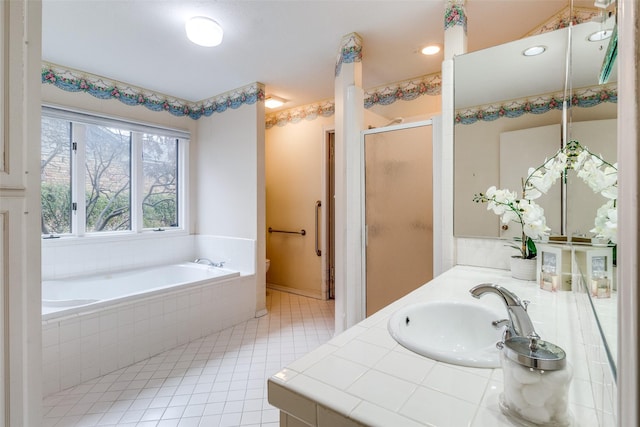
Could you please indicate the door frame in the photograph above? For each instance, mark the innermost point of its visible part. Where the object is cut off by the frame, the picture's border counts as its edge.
(363, 134)
(324, 234)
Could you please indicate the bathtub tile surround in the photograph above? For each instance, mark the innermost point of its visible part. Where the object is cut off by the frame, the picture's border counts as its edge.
(85, 345)
(345, 376)
(218, 380)
(231, 250)
(63, 258)
(93, 342)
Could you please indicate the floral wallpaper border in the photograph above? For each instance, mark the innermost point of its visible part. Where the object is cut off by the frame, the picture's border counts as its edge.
(296, 115)
(407, 90)
(455, 15)
(102, 88)
(350, 51)
(563, 18)
(587, 97)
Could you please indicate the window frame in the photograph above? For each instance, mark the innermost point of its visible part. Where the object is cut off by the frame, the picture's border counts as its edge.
(78, 158)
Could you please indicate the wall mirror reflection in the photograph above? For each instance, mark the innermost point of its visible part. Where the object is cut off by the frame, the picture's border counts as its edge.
(509, 118)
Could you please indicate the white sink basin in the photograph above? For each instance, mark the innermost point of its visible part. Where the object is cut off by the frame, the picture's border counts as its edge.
(454, 332)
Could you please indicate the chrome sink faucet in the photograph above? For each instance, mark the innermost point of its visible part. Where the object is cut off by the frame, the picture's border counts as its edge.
(519, 323)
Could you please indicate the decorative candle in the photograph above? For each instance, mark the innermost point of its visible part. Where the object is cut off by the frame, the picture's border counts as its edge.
(603, 288)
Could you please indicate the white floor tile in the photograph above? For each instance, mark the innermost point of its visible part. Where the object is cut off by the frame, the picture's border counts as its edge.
(218, 380)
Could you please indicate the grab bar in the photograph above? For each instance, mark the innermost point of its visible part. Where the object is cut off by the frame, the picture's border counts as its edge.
(318, 206)
(301, 232)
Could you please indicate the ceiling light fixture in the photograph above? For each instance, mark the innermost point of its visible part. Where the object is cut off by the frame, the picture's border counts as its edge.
(534, 50)
(600, 35)
(204, 31)
(430, 50)
(273, 102)
(603, 4)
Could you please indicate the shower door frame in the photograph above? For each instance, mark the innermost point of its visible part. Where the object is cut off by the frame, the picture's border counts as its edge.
(363, 134)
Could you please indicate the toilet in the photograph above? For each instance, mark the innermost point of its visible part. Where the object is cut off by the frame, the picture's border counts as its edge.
(267, 264)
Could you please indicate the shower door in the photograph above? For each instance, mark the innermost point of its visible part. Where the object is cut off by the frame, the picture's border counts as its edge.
(398, 212)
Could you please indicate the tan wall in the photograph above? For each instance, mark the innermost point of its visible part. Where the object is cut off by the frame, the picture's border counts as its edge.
(294, 182)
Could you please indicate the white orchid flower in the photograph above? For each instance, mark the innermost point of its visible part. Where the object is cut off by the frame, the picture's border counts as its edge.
(508, 216)
(557, 168)
(499, 200)
(600, 176)
(534, 221)
(582, 157)
(532, 193)
(610, 192)
(540, 180)
(598, 179)
(606, 222)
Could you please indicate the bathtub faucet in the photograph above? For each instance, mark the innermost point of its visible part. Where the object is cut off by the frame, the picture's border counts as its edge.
(209, 262)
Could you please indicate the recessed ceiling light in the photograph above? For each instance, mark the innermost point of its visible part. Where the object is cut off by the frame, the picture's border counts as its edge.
(273, 102)
(204, 31)
(430, 50)
(534, 50)
(600, 35)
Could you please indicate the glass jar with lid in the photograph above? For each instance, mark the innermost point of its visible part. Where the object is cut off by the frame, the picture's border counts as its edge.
(536, 382)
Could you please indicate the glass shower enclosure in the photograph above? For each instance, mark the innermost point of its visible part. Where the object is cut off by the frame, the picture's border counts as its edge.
(398, 211)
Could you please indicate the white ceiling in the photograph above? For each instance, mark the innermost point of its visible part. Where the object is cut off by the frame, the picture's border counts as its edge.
(290, 46)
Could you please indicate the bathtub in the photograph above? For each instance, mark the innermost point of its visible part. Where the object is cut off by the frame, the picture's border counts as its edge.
(94, 325)
(70, 296)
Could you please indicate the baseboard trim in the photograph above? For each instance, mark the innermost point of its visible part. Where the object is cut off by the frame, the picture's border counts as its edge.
(301, 292)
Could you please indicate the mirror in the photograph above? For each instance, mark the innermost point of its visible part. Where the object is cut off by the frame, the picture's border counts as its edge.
(509, 118)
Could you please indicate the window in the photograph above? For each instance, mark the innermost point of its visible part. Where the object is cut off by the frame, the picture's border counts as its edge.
(107, 178)
(101, 175)
(55, 175)
(160, 172)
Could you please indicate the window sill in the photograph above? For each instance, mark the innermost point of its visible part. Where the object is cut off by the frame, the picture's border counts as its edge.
(94, 238)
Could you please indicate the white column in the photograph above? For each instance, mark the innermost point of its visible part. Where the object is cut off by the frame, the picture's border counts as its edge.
(455, 43)
(349, 121)
(261, 244)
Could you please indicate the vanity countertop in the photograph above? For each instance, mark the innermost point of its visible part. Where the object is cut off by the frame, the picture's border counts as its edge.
(364, 377)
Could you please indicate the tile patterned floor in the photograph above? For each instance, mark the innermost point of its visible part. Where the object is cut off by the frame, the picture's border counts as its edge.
(219, 380)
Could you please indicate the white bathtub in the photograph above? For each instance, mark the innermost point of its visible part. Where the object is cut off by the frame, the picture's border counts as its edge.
(92, 326)
(70, 296)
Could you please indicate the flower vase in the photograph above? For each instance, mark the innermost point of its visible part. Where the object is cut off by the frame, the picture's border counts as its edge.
(522, 268)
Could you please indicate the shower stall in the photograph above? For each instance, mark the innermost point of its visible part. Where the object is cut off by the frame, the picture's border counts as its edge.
(397, 211)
